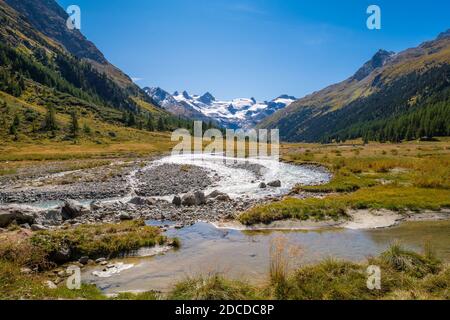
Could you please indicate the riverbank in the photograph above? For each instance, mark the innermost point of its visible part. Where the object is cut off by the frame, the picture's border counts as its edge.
(373, 186)
(400, 178)
(184, 189)
(405, 275)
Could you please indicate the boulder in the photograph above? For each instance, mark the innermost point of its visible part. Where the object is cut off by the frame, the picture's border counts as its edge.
(223, 197)
(125, 217)
(188, 200)
(20, 214)
(26, 271)
(51, 217)
(38, 227)
(200, 198)
(219, 196)
(84, 260)
(275, 184)
(139, 201)
(177, 201)
(100, 260)
(72, 209)
(262, 185)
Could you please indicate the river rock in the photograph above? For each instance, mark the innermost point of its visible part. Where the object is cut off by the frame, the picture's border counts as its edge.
(49, 284)
(84, 260)
(200, 198)
(275, 184)
(214, 194)
(219, 196)
(188, 200)
(72, 209)
(139, 201)
(61, 255)
(38, 227)
(262, 185)
(125, 217)
(176, 201)
(51, 217)
(100, 260)
(26, 270)
(20, 214)
(96, 205)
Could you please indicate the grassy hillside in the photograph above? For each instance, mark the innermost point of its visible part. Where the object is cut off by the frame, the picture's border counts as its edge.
(56, 86)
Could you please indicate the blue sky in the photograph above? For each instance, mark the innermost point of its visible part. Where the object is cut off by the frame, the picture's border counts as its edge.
(252, 48)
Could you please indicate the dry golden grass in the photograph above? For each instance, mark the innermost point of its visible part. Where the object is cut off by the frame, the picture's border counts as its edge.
(408, 176)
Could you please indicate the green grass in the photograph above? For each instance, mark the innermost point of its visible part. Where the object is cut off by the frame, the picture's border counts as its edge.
(19, 250)
(213, 287)
(5, 172)
(341, 182)
(409, 176)
(389, 197)
(16, 285)
(94, 241)
(404, 275)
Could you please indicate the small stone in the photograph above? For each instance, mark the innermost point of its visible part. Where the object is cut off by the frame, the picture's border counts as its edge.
(58, 280)
(96, 205)
(223, 197)
(275, 184)
(103, 263)
(50, 285)
(38, 227)
(200, 198)
(25, 270)
(262, 185)
(125, 217)
(141, 201)
(100, 260)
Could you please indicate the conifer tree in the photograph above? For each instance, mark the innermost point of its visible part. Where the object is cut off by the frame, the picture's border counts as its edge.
(161, 126)
(74, 126)
(50, 121)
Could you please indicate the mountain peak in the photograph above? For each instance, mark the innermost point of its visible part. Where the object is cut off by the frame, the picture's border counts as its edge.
(443, 35)
(157, 93)
(377, 61)
(207, 98)
(186, 95)
(286, 96)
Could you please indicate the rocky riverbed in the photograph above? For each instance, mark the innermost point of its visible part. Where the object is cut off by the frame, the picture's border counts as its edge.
(47, 196)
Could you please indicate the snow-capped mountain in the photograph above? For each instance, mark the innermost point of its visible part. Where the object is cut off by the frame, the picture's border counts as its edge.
(238, 113)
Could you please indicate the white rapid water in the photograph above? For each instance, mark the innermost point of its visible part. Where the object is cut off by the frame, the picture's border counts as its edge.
(238, 182)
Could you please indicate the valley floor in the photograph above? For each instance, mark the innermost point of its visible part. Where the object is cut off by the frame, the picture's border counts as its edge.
(395, 181)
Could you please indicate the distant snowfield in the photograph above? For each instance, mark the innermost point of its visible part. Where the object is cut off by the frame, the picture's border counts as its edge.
(243, 111)
(237, 179)
(240, 113)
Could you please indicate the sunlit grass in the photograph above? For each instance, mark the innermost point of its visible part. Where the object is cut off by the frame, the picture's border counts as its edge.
(396, 177)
